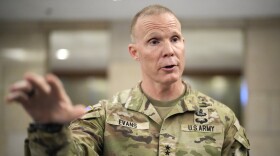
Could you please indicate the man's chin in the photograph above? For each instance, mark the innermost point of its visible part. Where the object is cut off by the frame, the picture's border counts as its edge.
(170, 80)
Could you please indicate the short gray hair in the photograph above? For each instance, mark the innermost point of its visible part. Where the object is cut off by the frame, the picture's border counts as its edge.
(155, 9)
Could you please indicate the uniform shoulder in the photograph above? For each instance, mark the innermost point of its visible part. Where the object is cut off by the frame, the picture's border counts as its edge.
(99, 109)
(121, 97)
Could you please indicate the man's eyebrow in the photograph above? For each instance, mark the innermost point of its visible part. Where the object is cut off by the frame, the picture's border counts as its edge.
(178, 33)
(153, 34)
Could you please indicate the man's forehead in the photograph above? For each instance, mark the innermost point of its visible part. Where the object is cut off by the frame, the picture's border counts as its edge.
(160, 21)
(151, 18)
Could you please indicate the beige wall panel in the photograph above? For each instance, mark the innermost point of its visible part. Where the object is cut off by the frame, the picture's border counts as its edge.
(263, 58)
(123, 75)
(20, 51)
(263, 77)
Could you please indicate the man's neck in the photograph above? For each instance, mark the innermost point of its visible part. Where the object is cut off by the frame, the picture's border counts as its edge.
(163, 92)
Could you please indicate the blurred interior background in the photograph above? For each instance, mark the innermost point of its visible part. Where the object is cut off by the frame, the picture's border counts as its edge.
(232, 54)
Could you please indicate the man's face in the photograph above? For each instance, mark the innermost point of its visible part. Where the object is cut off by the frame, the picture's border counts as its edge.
(159, 47)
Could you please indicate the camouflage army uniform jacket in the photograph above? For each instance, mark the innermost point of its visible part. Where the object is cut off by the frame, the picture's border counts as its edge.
(128, 125)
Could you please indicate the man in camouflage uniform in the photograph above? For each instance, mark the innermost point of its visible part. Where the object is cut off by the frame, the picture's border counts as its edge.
(162, 115)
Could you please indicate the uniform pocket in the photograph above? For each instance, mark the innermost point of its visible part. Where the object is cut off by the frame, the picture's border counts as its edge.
(201, 139)
(128, 129)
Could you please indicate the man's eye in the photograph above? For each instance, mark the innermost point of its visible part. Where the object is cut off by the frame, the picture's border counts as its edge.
(153, 41)
(175, 39)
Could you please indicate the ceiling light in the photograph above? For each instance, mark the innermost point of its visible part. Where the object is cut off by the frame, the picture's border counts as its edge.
(62, 54)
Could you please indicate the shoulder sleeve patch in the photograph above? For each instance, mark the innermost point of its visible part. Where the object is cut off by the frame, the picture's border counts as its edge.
(93, 112)
(91, 115)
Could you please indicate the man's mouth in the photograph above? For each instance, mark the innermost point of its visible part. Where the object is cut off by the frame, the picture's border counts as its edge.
(169, 66)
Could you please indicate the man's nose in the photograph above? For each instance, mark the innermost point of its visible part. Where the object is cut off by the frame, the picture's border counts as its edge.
(168, 49)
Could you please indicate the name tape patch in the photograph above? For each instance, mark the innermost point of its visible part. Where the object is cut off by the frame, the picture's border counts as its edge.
(130, 124)
(127, 123)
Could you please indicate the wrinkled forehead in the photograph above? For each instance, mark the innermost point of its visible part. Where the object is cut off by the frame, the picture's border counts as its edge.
(161, 21)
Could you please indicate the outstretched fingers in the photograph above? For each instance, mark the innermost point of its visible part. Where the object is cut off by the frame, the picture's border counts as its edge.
(18, 92)
(57, 90)
(49, 104)
(22, 86)
(56, 87)
(38, 83)
(17, 96)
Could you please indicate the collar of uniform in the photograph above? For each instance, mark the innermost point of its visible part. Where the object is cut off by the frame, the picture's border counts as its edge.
(137, 101)
(187, 103)
(190, 101)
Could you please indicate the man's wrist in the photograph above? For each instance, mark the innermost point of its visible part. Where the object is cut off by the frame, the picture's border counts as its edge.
(48, 127)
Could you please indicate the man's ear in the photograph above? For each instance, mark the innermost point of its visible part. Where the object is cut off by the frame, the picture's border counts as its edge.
(133, 51)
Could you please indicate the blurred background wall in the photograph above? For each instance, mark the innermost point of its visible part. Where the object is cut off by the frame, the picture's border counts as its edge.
(232, 54)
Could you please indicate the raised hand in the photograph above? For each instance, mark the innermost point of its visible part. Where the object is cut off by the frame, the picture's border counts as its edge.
(44, 99)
